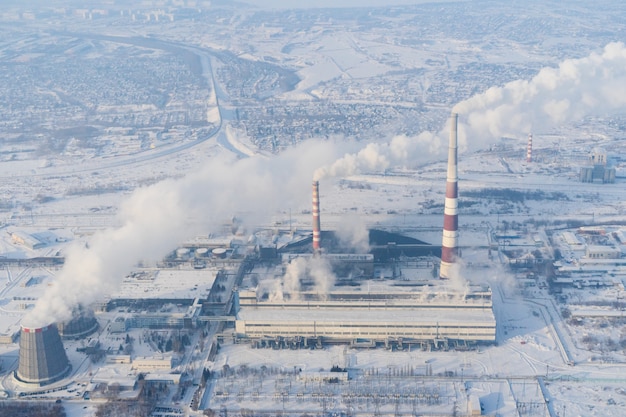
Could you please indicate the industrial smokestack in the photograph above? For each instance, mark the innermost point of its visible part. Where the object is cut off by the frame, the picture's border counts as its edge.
(529, 148)
(450, 214)
(316, 217)
(42, 358)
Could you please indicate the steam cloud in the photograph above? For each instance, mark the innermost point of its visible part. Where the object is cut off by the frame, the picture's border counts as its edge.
(590, 86)
(290, 282)
(154, 217)
(354, 233)
(318, 269)
(381, 156)
(157, 217)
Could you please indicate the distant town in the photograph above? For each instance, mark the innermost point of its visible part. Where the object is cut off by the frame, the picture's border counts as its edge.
(216, 208)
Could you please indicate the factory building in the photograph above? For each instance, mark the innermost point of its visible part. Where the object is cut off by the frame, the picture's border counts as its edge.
(425, 318)
(597, 169)
(27, 240)
(590, 256)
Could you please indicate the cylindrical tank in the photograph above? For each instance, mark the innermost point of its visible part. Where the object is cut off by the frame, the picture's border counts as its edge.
(202, 252)
(42, 357)
(182, 253)
(219, 252)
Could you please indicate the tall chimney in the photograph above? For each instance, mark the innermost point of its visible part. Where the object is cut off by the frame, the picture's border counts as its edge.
(529, 148)
(451, 214)
(316, 217)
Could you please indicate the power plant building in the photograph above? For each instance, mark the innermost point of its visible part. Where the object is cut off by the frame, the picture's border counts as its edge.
(430, 316)
(597, 169)
(436, 319)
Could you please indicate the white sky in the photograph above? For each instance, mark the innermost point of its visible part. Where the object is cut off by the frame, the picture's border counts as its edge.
(307, 4)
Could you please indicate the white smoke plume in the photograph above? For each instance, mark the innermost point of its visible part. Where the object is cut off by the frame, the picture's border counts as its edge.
(376, 157)
(296, 270)
(578, 88)
(590, 86)
(323, 277)
(155, 219)
(276, 292)
(352, 231)
(299, 269)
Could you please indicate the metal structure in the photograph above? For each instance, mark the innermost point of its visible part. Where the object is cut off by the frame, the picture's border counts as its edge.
(42, 357)
(449, 250)
(316, 217)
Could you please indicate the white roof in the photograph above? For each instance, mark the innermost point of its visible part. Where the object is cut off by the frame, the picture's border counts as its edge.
(169, 283)
(363, 315)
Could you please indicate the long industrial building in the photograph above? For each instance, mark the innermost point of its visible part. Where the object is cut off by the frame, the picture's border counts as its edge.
(426, 318)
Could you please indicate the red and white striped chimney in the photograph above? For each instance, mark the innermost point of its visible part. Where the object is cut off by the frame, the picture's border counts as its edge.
(316, 217)
(529, 148)
(449, 249)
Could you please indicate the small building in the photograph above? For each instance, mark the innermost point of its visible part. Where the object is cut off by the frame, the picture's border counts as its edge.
(26, 239)
(118, 325)
(602, 252)
(112, 359)
(144, 363)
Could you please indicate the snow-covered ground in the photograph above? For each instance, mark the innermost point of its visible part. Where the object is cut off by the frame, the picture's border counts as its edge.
(543, 363)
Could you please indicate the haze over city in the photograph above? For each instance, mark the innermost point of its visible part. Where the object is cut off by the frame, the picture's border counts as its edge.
(460, 252)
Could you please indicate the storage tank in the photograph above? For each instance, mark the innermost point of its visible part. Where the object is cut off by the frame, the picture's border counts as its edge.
(182, 253)
(202, 252)
(42, 357)
(219, 253)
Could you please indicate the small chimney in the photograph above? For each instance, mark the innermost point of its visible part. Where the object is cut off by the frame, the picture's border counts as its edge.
(316, 217)
(449, 249)
(529, 149)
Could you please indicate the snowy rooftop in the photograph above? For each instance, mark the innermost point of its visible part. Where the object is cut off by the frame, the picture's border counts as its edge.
(450, 315)
(168, 284)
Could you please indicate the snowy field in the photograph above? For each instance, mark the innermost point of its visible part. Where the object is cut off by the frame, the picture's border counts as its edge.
(222, 136)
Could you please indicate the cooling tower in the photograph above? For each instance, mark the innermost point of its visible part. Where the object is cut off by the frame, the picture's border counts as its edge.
(450, 214)
(316, 217)
(529, 148)
(42, 358)
(82, 324)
